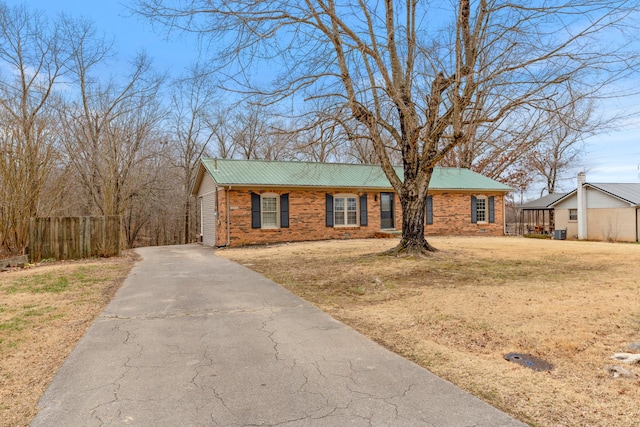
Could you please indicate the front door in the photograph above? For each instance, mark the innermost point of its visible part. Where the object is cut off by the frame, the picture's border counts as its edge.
(386, 210)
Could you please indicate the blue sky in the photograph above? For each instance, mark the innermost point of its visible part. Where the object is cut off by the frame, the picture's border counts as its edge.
(610, 157)
(615, 156)
(132, 34)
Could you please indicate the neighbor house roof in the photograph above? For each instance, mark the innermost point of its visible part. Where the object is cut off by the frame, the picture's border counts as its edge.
(335, 175)
(627, 192)
(543, 202)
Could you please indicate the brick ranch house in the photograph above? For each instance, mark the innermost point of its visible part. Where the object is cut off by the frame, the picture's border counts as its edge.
(247, 202)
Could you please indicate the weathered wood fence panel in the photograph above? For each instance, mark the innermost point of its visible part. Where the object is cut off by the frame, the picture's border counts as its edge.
(74, 237)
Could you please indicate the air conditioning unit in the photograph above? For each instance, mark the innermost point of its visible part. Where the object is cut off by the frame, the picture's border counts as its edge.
(560, 234)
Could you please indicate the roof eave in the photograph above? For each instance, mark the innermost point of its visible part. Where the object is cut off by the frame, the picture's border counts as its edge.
(261, 185)
(565, 197)
(257, 185)
(195, 186)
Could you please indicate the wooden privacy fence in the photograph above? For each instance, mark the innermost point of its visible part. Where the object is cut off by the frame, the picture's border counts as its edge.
(74, 237)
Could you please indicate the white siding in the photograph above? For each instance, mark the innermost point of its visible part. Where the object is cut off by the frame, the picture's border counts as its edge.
(569, 203)
(595, 200)
(598, 200)
(207, 197)
(608, 218)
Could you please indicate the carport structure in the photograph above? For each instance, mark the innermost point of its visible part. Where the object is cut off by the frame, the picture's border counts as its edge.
(536, 216)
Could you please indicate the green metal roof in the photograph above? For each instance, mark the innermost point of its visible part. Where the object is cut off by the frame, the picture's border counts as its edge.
(334, 175)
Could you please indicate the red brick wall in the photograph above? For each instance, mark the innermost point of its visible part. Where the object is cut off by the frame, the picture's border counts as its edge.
(451, 216)
(221, 224)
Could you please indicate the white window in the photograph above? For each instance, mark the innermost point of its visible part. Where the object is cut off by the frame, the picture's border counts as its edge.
(345, 210)
(481, 208)
(573, 214)
(270, 210)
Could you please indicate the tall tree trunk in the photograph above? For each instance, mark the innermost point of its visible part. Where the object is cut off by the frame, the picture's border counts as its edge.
(413, 201)
(412, 225)
(187, 219)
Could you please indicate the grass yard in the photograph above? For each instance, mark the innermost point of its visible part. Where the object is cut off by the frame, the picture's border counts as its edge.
(457, 312)
(44, 311)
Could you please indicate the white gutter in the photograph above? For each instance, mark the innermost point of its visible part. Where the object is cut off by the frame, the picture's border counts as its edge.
(504, 215)
(228, 197)
(636, 225)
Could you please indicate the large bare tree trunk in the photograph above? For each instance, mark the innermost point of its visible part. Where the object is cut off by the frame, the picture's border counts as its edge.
(413, 215)
(413, 199)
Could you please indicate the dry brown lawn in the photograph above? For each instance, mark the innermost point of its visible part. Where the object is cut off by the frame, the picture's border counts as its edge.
(44, 311)
(459, 311)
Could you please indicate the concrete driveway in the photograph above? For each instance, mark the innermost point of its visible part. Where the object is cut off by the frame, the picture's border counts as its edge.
(192, 339)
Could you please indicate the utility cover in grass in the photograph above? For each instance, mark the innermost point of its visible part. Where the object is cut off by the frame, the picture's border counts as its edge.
(529, 361)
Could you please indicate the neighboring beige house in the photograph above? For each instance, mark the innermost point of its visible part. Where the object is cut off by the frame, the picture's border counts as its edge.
(247, 202)
(607, 212)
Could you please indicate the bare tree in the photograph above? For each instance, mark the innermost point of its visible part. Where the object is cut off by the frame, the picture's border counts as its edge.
(250, 128)
(251, 131)
(318, 136)
(192, 104)
(223, 146)
(247, 130)
(402, 82)
(495, 150)
(503, 150)
(150, 215)
(563, 138)
(33, 59)
(321, 142)
(543, 143)
(280, 140)
(111, 130)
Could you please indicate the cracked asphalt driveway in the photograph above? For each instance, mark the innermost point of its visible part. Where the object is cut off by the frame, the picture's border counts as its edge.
(192, 339)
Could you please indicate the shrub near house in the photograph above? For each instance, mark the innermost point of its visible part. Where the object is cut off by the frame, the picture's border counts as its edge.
(256, 202)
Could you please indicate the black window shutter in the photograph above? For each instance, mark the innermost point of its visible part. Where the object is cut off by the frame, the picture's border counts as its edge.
(429, 209)
(329, 209)
(492, 210)
(284, 211)
(363, 210)
(255, 211)
(474, 210)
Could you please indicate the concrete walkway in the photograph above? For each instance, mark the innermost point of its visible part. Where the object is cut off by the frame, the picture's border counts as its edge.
(192, 339)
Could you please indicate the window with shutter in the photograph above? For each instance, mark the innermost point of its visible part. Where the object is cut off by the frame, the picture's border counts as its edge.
(284, 211)
(269, 203)
(329, 210)
(429, 210)
(269, 210)
(482, 209)
(364, 220)
(345, 210)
